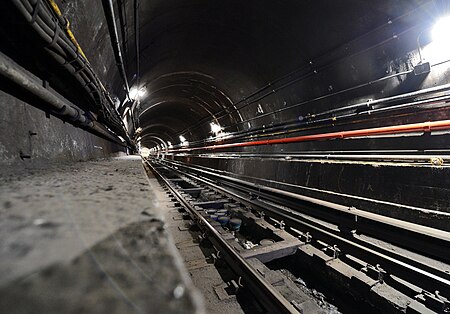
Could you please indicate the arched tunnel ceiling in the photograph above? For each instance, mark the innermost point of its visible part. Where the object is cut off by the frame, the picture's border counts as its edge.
(198, 57)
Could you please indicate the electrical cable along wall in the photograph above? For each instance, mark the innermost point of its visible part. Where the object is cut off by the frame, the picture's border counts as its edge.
(52, 29)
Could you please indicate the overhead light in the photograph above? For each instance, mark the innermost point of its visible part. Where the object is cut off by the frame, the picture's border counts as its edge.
(136, 93)
(142, 92)
(183, 140)
(133, 92)
(145, 152)
(439, 48)
(440, 31)
(215, 128)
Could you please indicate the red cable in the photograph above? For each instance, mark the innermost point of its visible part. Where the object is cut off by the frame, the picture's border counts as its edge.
(395, 129)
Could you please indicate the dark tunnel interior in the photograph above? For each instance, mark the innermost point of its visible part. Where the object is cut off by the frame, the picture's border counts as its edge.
(344, 102)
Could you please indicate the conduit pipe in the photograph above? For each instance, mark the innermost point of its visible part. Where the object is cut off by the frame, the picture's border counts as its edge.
(56, 104)
(108, 7)
(395, 129)
(136, 39)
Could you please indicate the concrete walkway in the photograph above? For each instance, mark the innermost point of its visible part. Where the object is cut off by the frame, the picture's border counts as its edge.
(88, 237)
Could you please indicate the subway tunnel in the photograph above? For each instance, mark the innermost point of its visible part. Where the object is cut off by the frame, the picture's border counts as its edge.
(194, 156)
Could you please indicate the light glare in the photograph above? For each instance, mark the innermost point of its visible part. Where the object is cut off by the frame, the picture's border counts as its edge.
(183, 140)
(440, 31)
(215, 128)
(439, 49)
(142, 92)
(136, 94)
(133, 92)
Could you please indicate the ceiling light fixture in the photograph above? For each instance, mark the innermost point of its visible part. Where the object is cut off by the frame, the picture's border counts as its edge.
(437, 51)
(440, 32)
(183, 140)
(215, 128)
(136, 94)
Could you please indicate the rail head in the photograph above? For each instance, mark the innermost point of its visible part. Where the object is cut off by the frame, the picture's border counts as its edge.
(271, 299)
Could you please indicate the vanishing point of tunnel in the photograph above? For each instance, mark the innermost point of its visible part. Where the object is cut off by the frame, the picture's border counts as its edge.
(225, 156)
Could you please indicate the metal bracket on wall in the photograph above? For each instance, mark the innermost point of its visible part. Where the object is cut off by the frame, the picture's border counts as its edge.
(24, 156)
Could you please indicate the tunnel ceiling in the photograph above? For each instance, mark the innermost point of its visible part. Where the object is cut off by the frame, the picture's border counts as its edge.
(199, 57)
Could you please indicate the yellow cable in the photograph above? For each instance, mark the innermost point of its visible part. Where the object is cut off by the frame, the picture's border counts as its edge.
(73, 39)
(70, 34)
(55, 7)
(67, 28)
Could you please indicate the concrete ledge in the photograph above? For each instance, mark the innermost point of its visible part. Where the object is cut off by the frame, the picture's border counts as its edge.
(88, 237)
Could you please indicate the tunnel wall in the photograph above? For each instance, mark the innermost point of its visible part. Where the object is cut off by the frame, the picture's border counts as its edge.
(54, 141)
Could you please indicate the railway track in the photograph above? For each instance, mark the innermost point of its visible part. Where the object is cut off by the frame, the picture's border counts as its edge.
(384, 264)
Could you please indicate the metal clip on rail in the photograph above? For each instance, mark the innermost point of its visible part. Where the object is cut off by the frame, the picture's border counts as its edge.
(280, 223)
(435, 301)
(332, 251)
(375, 272)
(302, 236)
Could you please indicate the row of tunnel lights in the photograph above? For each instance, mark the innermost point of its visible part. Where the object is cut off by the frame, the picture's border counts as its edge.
(216, 130)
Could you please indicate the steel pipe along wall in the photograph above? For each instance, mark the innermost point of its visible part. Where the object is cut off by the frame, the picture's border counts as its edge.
(52, 102)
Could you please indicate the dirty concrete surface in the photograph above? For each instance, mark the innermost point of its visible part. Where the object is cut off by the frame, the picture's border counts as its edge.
(88, 237)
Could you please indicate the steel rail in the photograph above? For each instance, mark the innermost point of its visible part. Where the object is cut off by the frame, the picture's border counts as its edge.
(271, 299)
(387, 205)
(401, 266)
(286, 213)
(401, 225)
